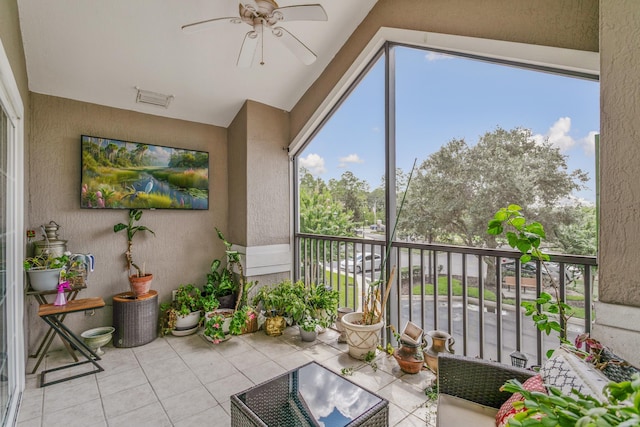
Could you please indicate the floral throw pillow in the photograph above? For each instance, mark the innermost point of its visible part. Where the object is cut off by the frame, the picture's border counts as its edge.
(507, 411)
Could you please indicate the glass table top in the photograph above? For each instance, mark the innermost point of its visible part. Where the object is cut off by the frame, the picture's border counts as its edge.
(311, 395)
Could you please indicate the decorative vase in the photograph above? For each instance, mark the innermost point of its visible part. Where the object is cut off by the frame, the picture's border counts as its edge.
(141, 285)
(441, 342)
(362, 338)
(44, 280)
(341, 312)
(274, 325)
(409, 357)
(97, 338)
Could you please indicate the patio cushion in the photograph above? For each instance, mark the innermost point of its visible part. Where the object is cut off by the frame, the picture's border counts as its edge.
(454, 411)
(507, 411)
(565, 371)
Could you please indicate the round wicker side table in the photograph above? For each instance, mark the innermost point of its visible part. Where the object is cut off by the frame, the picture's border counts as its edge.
(135, 319)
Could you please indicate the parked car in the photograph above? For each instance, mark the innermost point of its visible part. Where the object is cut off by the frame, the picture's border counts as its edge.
(358, 264)
(572, 273)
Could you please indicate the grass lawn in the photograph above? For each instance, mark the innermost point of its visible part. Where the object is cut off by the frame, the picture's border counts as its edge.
(346, 288)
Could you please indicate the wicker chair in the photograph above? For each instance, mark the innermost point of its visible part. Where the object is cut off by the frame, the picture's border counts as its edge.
(469, 389)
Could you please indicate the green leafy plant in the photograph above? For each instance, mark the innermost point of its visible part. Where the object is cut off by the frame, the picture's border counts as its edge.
(309, 323)
(187, 299)
(526, 237)
(220, 279)
(622, 407)
(213, 328)
(285, 299)
(322, 304)
(42, 262)
(134, 216)
(240, 318)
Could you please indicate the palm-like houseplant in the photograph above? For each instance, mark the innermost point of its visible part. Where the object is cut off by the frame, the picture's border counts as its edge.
(140, 282)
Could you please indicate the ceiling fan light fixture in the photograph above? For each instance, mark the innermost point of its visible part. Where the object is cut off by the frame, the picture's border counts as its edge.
(153, 98)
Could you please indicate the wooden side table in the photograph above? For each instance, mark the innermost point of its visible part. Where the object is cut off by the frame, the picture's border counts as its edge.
(41, 298)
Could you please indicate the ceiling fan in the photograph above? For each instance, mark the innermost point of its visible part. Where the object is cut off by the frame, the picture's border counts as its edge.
(261, 14)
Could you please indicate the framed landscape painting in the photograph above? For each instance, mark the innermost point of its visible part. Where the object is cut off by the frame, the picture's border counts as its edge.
(130, 175)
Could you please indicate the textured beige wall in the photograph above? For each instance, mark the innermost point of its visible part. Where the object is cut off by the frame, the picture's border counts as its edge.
(267, 175)
(259, 176)
(620, 151)
(185, 241)
(237, 167)
(569, 24)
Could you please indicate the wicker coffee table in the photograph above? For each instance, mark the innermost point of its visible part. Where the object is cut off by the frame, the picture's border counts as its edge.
(311, 395)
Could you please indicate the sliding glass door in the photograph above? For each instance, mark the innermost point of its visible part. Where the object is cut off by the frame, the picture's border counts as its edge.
(11, 245)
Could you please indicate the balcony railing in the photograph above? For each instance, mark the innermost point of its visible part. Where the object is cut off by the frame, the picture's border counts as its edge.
(478, 296)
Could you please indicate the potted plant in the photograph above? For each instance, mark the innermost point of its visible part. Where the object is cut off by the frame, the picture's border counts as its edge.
(362, 328)
(221, 281)
(141, 281)
(308, 328)
(182, 315)
(221, 324)
(46, 272)
(286, 299)
(323, 302)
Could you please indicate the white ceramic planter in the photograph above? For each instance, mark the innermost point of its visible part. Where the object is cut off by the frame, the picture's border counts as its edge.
(44, 280)
(361, 338)
(187, 323)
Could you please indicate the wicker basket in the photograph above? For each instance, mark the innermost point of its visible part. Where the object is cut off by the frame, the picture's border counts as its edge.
(135, 319)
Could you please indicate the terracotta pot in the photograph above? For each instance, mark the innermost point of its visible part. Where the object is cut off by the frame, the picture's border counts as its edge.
(362, 339)
(141, 285)
(409, 357)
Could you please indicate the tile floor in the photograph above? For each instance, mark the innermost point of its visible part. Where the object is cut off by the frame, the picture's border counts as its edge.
(187, 381)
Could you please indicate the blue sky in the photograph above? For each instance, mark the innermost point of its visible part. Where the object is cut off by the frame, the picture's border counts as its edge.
(443, 97)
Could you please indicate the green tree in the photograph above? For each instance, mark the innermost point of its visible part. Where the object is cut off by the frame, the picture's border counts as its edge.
(320, 214)
(459, 186)
(352, 193)
(579, 236)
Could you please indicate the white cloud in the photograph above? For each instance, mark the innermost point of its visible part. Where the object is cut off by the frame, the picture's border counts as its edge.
(435, 56)
(351, 158)
(558, 135)
(313, 163)
(588, 143)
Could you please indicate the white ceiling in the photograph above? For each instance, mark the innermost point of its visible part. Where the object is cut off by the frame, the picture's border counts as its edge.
(98, 51)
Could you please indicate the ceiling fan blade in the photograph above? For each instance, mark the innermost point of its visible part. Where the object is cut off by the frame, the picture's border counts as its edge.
(298, 48)
(204, 25)
(248, 49)
(305, 12)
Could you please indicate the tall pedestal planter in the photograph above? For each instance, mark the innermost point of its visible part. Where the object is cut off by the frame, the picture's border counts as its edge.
(135, 319)
(361, 338)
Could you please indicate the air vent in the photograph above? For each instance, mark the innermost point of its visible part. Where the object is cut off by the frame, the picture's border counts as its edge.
(153, 98)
